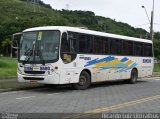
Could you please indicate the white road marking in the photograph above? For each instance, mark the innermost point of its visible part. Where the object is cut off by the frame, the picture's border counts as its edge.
(25, 97)
(157, 79)
(9, 92)
(52, 93)
(6, 89)
(151, 78)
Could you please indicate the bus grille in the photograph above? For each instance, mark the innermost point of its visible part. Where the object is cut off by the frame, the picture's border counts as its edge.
(34, 72)
(33, 78)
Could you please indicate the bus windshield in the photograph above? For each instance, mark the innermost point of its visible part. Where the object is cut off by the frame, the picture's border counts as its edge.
(39, 47)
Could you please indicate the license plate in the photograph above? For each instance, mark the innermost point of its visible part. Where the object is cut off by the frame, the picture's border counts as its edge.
(32, 81)
(36, 68)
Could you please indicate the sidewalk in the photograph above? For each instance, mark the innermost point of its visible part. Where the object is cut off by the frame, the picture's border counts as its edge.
(156, 74)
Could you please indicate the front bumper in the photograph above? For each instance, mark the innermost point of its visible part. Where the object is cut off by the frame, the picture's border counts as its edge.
(46, 79)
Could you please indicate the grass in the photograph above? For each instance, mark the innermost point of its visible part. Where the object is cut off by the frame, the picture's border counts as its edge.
(157, 68)
(8, 66)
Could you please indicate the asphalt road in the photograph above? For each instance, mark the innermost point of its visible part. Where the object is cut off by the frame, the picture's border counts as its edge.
(108, 97)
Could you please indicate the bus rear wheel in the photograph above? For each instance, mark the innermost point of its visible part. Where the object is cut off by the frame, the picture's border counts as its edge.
(134, 76)
(84, 81)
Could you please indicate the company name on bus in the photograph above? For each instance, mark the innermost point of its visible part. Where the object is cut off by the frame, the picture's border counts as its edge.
(146, 60)
(85, 58)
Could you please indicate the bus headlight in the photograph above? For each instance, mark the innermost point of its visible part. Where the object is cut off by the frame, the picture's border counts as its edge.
(52, 70)
(19, 71)
(49, 73)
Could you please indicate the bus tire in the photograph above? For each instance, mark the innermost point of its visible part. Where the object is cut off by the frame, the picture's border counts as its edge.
(84, 81)
(134, 76)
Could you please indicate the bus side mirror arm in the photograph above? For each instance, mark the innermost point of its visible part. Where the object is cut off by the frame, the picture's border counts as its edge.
(14, 43)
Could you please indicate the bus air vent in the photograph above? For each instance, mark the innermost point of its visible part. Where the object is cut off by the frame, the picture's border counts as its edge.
(33, 78)
(34, 72)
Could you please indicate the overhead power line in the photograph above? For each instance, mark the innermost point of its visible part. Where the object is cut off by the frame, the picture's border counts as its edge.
(35, 5)
(142, 25)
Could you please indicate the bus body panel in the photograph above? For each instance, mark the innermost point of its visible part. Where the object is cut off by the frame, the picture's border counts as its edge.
(114, 69)
(102, 67)
(46, 74)
(51, 79)
(69, 73)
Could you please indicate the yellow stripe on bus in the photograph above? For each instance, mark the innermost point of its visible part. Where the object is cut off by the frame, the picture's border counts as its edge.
(129, 62)
(102, 64)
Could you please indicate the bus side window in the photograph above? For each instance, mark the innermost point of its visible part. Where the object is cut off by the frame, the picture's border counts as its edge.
(138, 49)
(98, 45)
(64, 43)
(148, 50)
(127, 48)
(85, 43)
(73, 41)
(65, 49)
(116, 46)
(105, 46)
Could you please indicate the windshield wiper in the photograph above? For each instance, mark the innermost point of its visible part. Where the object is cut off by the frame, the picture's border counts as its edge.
(40, 56)
(31, 52)
(28, 57)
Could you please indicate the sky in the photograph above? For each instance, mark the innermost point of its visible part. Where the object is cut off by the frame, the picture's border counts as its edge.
(127, 11)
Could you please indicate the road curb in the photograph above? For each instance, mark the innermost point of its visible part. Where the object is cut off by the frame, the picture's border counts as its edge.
(10, 77)
(156, 75)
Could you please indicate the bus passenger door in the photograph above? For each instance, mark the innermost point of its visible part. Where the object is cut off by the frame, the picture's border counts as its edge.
(69, 56)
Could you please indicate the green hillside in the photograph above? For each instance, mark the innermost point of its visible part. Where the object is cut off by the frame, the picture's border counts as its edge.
(16, 15)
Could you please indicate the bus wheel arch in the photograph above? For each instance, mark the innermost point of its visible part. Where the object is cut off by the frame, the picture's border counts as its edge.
(84, 80)
(133, 76)
(89, 72)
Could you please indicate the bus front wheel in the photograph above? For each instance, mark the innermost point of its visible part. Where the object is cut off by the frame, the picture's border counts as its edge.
(134, 76)
(84, 81)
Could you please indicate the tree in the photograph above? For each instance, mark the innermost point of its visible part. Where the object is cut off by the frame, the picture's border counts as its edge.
(157, 35)
(6, 45)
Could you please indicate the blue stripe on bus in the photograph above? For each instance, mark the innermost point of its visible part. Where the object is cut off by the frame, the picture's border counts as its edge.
(130, 67)
(95, 61)
(124, 59)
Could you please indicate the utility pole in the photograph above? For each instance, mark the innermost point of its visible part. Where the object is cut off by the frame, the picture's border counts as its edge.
(67, 6)
(34, 5)
(151, 28)
(150, 21)
(151, 25)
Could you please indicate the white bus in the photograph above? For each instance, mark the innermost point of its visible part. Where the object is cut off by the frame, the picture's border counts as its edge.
(68, 55)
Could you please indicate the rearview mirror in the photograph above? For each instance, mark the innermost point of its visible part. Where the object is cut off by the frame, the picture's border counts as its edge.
(16, 40)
